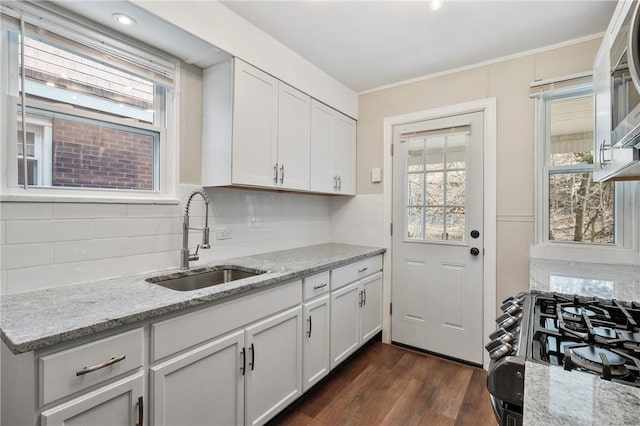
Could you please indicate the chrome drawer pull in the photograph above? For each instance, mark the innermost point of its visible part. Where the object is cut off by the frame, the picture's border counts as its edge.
(93, 368)
(362, 269)
(315, 287)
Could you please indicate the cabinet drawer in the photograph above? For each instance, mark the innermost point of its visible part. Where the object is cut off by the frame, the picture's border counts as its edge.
(186, 330)
(350, 273)
(315, 285)
(75, 369)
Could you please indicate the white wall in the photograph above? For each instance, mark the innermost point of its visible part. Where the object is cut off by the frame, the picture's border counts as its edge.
(223, 28)
(50, 244)
(358, 220)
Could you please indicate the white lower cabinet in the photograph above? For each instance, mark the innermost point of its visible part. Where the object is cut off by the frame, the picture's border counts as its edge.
(356, 316)
(315, 346)
(117, 404)
(202, 386)
(274, 365)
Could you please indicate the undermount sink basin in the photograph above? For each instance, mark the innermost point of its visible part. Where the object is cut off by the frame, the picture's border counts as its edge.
(197, 279)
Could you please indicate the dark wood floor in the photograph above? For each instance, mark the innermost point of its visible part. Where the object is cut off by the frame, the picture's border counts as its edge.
(389, 385)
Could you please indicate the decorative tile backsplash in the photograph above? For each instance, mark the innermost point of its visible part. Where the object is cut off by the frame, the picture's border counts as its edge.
(50, 244)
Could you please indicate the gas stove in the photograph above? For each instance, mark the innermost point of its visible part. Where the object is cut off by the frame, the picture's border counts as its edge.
(580, 334)
(588, 335)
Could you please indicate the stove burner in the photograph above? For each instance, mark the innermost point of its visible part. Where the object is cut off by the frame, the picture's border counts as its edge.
(576, 311)
(590, 358)
(606, 332)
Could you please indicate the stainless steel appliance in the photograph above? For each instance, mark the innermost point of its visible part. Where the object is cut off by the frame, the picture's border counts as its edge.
(581, 334)
(624, 58)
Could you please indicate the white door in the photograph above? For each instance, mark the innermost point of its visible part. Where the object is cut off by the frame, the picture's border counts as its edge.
(202, 386)
(438, 236)
(294, 138)
(117, 404)
(274, 365)
(315, 346)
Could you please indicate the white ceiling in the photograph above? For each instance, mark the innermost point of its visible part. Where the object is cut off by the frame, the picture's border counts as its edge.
(367, 44)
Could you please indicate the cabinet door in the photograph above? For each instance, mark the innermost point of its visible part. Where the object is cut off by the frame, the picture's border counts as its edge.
(345, 148)
(323, 170)
(294, 138)
(120, 403)
(371, 311)
(602, 112)
(202, 386)
(315, 346)
(345, 322)
(255, 131)
(274, 365)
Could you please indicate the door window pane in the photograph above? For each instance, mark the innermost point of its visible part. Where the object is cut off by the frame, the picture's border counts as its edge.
(436, 197)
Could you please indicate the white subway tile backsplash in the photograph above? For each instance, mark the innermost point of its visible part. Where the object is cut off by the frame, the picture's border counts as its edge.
(36, 231)
(88, 210)
(153, 210)
(3, 282)
(125, 265)
(127, 227)
(36, 277)
(25, 211)
(167, 225)
(23, 255)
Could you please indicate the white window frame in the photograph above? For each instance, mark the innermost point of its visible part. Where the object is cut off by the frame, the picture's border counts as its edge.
(625, 248)
(168, 152)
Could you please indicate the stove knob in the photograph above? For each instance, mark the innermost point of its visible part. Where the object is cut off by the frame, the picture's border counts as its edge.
(511, 309)
(501, 351)
(508, 322)
(497, 334)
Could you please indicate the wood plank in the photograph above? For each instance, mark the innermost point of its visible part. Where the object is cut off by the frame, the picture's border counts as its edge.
(389, 385)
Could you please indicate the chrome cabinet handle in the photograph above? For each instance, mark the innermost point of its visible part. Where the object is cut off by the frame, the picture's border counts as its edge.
(603, 161)
(316, 287)
(96, 367)
(360, 296)
(282, 173)
(253, 357)
(309, 332)
(364, 297)
(244, 361)
(275, 173)
(362, 269)
(335, 182)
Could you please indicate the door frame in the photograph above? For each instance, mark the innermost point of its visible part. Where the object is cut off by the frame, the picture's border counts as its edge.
(488, 107)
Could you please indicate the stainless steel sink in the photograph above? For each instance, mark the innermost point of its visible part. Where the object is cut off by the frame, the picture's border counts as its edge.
(197, 279)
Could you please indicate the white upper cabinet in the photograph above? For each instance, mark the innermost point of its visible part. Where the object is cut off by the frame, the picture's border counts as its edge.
(255, 126)
(260, 132)
(294, 138)
(333, 150)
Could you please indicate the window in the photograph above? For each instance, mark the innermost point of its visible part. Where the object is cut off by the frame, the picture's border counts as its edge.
(98, 113)
(574, 208)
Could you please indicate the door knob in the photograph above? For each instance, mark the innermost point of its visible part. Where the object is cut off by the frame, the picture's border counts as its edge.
(475, 233)
(474, 251)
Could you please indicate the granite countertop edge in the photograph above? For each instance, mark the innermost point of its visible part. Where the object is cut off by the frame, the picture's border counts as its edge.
(38, 319)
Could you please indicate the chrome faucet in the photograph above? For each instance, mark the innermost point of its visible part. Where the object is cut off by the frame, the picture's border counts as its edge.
(185, 256)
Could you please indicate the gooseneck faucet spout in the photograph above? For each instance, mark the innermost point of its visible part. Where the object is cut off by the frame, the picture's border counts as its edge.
(185, 256)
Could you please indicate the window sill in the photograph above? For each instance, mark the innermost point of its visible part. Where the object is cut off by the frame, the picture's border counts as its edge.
(568, 252)
(86, 197)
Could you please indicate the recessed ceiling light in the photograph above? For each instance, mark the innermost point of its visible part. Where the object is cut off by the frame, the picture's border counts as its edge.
(123, 19)
(435, 4)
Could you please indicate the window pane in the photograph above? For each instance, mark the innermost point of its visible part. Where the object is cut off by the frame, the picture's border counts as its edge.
(30, 143)
(456, 150)
(97, 155)
(32, 171)
(580, 209)
(55, 73)
(414, 223)
(435, 188)
(456, 188)
(416, 189)
(571, 131)
(415, 154)
(434, 223)
(455, 224)
(435, 153)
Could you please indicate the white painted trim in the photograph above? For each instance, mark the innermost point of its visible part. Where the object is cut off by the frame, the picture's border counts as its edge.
(489, 107)
(484, 64)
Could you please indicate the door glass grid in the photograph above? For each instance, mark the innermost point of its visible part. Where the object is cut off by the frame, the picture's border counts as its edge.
(435, 182)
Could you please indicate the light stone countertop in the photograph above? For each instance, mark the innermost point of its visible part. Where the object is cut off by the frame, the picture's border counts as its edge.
(37, 319)
(553, 396)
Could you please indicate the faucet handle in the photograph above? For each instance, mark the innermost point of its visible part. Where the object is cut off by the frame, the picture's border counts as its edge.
(195, 256)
